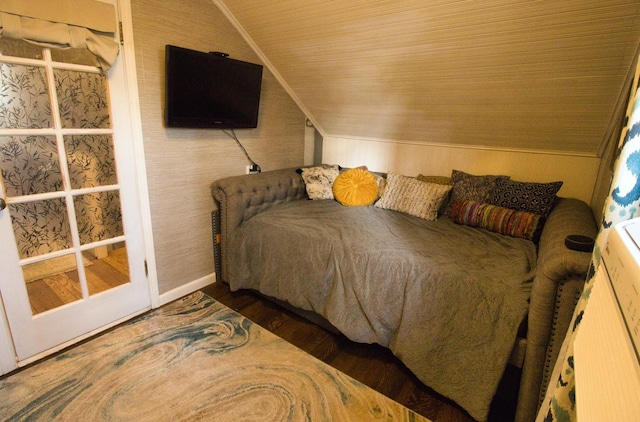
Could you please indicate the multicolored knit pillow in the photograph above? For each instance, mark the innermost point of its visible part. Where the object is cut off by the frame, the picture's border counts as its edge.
(523, 224)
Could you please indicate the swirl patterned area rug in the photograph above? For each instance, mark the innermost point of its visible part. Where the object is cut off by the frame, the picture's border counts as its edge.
(194, 359)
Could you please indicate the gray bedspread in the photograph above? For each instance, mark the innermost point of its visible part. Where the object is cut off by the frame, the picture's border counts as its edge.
(446, 299)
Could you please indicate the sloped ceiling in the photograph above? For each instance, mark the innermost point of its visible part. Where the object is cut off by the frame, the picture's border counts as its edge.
(530, 75)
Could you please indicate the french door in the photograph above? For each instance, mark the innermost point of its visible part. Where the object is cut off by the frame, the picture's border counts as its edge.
(72, 257)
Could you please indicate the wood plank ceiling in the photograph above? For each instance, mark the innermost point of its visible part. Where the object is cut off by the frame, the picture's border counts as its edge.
(530, 75)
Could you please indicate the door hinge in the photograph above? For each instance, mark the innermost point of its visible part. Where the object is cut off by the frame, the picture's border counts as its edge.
(146, 269)
(121, 33)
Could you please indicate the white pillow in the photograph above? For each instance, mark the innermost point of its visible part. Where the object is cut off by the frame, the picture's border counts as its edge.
(319, 180)
(411, 196)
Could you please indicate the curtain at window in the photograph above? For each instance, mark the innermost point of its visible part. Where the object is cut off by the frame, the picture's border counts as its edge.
(84, 24)
(623, 203)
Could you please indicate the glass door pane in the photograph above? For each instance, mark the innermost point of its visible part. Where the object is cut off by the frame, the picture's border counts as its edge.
(25, 97)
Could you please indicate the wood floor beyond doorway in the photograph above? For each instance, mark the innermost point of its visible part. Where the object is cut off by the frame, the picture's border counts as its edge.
(59, 289)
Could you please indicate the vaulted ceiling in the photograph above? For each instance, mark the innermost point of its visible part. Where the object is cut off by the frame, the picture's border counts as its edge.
(531, 75)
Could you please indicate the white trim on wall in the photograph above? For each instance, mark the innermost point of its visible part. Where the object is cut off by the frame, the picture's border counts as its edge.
(128, 49)
(186, 289)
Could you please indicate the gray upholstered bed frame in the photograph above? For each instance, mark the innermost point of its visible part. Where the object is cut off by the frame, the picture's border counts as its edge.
(559, 280)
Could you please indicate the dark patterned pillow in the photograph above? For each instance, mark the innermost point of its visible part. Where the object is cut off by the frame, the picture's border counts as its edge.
(525, 225)
(537, 198)
(470, 187)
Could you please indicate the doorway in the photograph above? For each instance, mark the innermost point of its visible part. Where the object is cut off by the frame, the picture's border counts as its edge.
(70, 220)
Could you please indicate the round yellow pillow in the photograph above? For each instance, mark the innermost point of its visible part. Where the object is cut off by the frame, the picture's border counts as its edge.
(355, 187)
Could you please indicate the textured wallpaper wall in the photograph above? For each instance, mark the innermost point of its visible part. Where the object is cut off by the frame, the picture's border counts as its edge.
(182, 163)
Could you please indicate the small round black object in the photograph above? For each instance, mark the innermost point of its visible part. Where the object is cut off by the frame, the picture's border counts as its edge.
(580, 243)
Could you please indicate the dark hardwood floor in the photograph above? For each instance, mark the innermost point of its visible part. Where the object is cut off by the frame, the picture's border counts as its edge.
(370, 364)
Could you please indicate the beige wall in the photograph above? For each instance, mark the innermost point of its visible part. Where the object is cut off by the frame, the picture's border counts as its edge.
(578, 173)
(182, 163)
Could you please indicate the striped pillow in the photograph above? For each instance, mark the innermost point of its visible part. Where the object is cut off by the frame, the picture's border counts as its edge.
(523, 224)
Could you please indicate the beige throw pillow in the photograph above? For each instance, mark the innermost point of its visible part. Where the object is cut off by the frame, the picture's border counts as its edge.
(411, 196)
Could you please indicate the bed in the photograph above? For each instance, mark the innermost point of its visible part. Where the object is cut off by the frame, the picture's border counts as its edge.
(449, 299)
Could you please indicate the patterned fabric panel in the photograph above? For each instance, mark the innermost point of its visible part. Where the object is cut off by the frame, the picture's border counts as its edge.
(622, 204)
(319, 180)
(413, 197)
(501, 220)
(355, 187)
(537, 198)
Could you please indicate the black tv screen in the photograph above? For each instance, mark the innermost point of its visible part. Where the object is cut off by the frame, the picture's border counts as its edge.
(208, 90)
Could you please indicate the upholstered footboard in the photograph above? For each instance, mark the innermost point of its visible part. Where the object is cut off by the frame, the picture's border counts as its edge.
(239, 198)
(561, 272)
(560, 277)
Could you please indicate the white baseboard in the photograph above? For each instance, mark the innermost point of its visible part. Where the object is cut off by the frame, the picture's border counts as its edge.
(184, 290)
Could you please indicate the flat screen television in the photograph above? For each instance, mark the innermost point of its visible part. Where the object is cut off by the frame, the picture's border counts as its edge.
(209, 90)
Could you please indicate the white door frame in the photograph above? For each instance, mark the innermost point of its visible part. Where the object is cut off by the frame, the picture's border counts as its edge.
(7, 352)
(131, 77)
